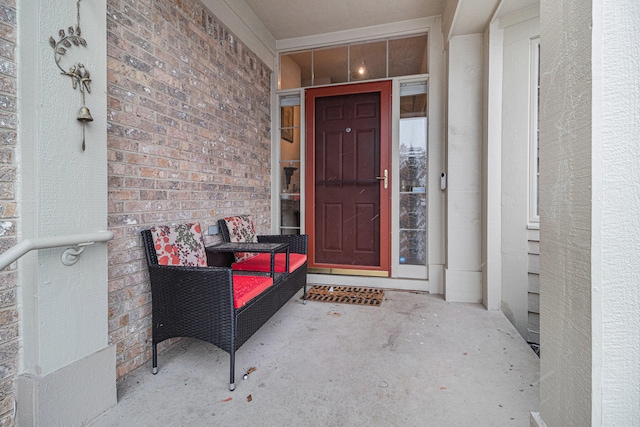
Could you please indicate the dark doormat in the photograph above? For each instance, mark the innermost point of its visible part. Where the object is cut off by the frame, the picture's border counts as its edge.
(346, 295)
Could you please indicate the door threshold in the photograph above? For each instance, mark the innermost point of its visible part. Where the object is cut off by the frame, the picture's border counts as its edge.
(421, 285)
(348, 272)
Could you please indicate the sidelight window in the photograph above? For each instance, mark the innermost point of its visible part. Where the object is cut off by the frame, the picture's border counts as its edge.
(412, 183)
(534, 139)
(290, 165)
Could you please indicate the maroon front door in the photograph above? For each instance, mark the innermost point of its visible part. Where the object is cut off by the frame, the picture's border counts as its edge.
(347, 200)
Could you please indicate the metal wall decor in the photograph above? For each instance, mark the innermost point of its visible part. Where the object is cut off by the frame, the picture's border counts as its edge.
(79, 74)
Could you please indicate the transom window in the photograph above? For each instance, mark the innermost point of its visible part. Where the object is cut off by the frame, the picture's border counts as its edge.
(354, 62)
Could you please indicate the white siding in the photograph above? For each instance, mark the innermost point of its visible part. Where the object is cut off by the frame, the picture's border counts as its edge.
(518, 261)
(533, 288)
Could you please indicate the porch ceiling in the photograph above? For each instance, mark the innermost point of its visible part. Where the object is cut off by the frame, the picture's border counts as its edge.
(287, 19)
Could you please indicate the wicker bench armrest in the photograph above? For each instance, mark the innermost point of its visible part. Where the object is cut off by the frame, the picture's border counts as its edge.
(297, 242)
(200, 292)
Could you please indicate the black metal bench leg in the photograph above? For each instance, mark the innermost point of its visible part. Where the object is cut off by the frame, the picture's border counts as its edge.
(304, 295)
(155, 359)
(232, 381)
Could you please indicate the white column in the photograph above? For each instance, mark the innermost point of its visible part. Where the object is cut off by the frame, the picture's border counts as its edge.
(615, 299)
(436, 149)
(492, 172)
(67, 370)
(590, 200)
(463, 270)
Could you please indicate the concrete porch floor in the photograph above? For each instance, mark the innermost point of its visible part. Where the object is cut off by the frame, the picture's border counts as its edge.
(414, 361)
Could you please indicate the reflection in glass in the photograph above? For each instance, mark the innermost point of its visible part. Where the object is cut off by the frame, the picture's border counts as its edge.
(330, 66)
(413, 189)
(413, 247)
(408, 56)
(290, 177)
(413, 106)
(368, 61)
(413, 211)
(290, 216)
(295, 69)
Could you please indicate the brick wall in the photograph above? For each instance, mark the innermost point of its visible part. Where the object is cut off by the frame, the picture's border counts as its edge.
(9, 330)
(188, 140)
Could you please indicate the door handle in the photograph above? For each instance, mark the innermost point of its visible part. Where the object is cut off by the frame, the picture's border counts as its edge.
(385, 178)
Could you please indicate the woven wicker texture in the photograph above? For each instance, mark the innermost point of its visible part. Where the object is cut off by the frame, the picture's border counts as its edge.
(197, 302)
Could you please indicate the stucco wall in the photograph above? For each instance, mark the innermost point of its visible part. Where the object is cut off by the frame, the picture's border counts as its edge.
(565, 212)
(590, 238)
(189, 140)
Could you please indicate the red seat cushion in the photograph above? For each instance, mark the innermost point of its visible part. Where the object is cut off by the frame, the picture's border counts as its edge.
(261, 262)
(246, 288)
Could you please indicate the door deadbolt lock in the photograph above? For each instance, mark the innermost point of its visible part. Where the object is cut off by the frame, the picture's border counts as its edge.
(385, 178)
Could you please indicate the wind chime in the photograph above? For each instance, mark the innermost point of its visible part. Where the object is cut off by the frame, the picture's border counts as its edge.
(80, 76)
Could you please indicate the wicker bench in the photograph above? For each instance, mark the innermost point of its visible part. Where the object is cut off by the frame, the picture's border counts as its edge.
(201, 302)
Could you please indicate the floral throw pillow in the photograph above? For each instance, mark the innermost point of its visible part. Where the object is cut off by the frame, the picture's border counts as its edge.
(241, 230)
(179, 245)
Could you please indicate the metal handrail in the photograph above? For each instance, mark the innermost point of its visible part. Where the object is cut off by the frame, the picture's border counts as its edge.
(77, 242)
